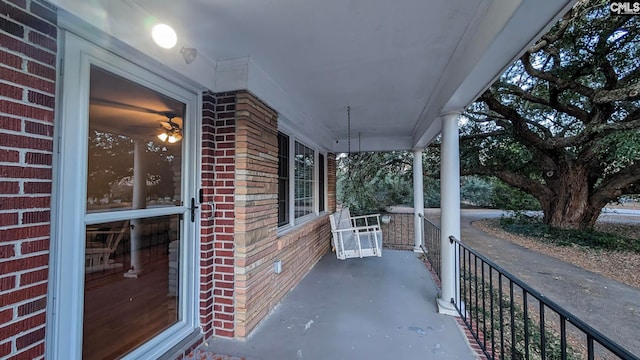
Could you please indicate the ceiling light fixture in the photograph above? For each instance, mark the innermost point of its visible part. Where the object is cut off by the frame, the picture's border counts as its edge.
(170, 137)
(189, 54)
(171, 131)
(164, 36)
(163, 136)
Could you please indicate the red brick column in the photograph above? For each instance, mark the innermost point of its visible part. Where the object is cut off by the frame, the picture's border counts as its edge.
(28, 35)
(217, 239)
(239, 174)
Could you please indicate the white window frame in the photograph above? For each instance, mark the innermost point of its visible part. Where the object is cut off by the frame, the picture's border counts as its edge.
(293, 138)
(313, 180)
(65, 295)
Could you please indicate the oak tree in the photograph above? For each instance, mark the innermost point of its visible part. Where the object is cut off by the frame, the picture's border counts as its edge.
(563, 122)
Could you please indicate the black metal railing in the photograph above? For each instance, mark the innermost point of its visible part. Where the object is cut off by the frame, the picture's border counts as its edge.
(397, 231)
(431, 244)
(511, 320)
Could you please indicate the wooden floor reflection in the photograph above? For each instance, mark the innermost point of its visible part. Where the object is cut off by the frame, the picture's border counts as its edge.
(121, 313)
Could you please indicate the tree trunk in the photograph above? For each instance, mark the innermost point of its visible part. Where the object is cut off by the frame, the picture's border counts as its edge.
(570, 208)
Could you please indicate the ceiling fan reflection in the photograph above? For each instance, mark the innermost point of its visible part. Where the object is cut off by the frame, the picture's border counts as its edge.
(172, 132)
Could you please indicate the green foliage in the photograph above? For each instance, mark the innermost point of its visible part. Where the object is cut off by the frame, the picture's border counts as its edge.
(509, 198)
(619, 150)
(373, 181)
(431, 192)
(532, 227)
(476, 191)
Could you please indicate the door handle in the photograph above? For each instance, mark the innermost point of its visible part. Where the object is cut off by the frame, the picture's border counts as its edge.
(193, 209)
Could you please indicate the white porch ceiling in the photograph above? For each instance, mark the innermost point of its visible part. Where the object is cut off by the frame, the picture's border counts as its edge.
(398, 64)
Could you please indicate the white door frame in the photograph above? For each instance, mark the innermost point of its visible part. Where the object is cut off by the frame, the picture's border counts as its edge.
(66, 300)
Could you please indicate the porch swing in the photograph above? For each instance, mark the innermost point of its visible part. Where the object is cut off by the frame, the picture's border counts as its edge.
(355, 236)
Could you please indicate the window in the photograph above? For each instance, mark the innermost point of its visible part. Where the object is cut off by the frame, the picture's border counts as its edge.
(304, 180)
(320, 182)
(283, 179)
(301, 173)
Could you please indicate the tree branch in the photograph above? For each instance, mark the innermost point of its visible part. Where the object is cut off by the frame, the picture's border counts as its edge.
(630, 77)
(553, 79)
(526, 184)
(628, 93)
(549, 37)
(518, 123)
(482, 135)
(602, 47)
(553, 101)
(629, 124)
(632, 116)
(620, 183)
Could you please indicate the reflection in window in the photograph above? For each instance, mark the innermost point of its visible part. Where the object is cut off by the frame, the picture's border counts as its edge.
(304, 181)
(121, 313)
(110, 177)
(132, 266)
(128, 166)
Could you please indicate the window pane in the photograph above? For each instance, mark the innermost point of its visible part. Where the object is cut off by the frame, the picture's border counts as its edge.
(121, 313)
(128, 166)
(304, 182)
(283, 179)
(321, 182)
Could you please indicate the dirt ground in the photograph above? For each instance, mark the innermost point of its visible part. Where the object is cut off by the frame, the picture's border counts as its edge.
(617, 265)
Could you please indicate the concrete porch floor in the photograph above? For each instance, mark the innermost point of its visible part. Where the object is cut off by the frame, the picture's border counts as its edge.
(371, 308)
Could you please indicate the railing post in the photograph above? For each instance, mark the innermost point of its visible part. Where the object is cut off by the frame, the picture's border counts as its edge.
(418, 201)
(450, 210)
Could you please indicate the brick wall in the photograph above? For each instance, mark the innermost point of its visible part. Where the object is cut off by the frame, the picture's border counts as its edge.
(239, 240)
(257, 288)
(239, 246)
(262, 289)
(28, 36)
(256, 205)
(217, 239)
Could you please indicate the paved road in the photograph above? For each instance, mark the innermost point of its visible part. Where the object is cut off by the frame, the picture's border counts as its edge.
(622, 211)
(609, 306)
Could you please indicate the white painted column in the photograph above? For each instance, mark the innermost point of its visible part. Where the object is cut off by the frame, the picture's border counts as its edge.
(418, 201)
(139, 201)
(450, 209)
